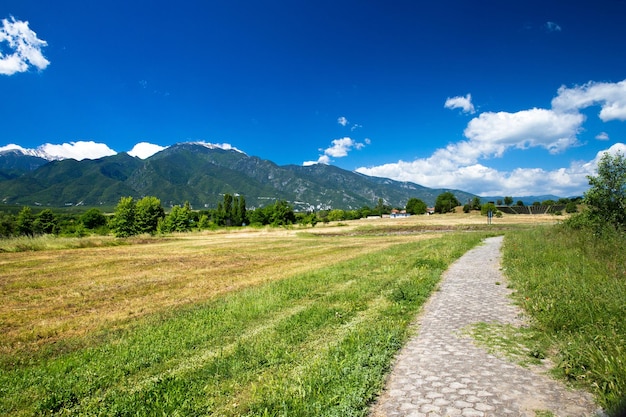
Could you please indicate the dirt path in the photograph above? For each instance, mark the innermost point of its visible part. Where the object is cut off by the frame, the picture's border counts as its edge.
(442, 372)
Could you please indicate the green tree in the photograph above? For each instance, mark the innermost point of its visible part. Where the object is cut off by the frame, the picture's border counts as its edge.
(380, 207)
(336, 215)
(93, 218)
(606, 198)
(7, 224)
(446, 202)
(508, 200)
(415, 206)
(228, 209)
(204, 222)
(123, 222)
(365, 211)
(239, 210)
(476, 203)
(484, 210)
(282, 214)
(243, 212)
(178, 220)
(25, 223)
(258, 216)
(148, 213)
(46, 222)
(571, 207)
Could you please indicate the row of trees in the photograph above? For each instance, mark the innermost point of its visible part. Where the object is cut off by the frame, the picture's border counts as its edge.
(148, 216)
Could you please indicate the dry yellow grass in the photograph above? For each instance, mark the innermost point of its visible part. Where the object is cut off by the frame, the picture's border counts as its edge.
(58, 294)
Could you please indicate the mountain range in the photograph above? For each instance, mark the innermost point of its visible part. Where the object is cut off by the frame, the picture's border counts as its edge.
(198, 173)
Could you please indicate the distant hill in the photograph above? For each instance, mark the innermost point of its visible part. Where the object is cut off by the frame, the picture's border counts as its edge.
(14, 163)
(199, 174)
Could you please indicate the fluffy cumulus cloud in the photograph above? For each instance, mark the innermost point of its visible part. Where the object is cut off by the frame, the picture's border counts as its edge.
(13, 147)
(491, 134)
(342, 121)
(463, 103)
(438, 171)
(20, 48)
(339, 148)
(77, 150)
(611, 97)
(145, 150)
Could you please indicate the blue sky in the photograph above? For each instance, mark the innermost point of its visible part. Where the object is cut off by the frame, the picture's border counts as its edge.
(491, 97)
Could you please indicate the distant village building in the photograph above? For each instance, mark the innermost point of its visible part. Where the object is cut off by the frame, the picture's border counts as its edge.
(398, 213)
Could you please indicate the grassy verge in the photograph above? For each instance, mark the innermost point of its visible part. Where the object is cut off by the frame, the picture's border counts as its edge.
(314, 343)
(51, 242)
(573, 286)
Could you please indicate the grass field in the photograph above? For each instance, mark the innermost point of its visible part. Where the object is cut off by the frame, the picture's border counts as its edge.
(289, 322)
(572, 284)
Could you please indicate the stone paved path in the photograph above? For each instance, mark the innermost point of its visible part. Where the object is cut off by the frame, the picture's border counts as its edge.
(441, 372)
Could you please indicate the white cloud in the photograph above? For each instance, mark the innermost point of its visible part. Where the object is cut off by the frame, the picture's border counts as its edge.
(610, 96)
(342, 121)
(552, 27)
(602, 136)
(24, 48)
(613, 150)
(145, 150)
(339, 148)
(493, 133)
(438, 171)
(77, 150)
(459, 102)
(11, 147)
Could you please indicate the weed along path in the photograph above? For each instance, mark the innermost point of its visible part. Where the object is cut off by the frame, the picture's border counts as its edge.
(442, 371)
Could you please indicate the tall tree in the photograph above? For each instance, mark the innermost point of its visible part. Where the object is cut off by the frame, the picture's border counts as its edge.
(7, 224)
(446, 202)
(178, 220)
(281, 214)
(239, 210)
(93, 218)
(228, 209)
(123, 222)
(46, 222)
(25, 223)
(415, 206)
(148, 213)
(606, 198)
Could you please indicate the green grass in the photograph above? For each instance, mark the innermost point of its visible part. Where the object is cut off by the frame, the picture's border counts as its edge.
(50, 242)
(525, 346)
(573, 286)
(318, 343)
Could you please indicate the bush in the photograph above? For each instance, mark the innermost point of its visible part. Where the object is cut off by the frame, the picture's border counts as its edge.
(606, 199)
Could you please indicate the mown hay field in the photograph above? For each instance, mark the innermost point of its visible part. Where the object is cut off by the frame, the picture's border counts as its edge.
(224, 323)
